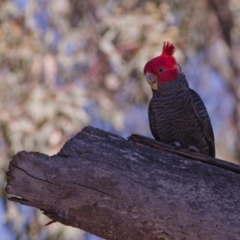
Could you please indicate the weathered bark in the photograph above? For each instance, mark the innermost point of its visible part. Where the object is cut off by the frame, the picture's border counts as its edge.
(120, 189)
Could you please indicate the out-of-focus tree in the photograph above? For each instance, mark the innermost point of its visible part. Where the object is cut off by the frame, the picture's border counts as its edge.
(226, 23)
(36, 113)
(66, 64)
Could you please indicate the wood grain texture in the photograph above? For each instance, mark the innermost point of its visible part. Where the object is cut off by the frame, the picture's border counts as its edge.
(120, 189)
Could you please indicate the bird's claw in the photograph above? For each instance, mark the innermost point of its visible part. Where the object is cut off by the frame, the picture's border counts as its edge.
(193, 149)
(177, 145)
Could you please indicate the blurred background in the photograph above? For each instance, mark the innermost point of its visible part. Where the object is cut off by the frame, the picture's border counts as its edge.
(67, 64)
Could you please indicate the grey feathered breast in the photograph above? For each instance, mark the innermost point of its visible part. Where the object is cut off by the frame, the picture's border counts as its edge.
(178, 114)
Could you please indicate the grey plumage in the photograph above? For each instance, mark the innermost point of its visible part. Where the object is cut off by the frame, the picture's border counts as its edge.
(178, 114)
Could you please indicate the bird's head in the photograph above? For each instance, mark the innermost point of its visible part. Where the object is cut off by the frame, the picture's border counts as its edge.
(163, 68)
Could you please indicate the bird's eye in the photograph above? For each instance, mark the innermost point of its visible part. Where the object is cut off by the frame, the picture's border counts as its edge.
(160, 70)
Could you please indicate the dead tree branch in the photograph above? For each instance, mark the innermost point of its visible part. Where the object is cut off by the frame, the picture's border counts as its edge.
(120, 188)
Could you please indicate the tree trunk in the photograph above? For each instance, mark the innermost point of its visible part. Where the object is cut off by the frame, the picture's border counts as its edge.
(225, 17)
(119, 189)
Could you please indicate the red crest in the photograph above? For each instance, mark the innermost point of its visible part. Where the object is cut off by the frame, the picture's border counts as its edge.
(168, 49)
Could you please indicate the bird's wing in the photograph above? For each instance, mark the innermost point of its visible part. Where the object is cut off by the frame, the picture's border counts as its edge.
(152, 122)
(202, 114)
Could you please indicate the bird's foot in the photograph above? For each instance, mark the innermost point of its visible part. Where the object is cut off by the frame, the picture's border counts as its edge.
(193, 149)
(177, 145)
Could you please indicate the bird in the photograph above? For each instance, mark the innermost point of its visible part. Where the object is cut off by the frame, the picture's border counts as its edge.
(177, 114)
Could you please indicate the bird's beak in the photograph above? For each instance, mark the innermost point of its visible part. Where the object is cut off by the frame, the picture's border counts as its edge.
(152, 80)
